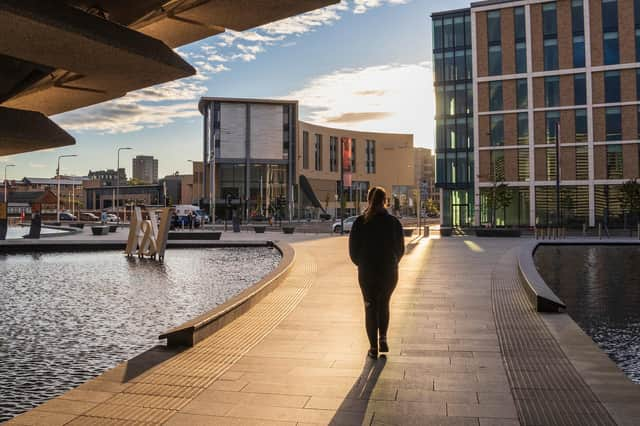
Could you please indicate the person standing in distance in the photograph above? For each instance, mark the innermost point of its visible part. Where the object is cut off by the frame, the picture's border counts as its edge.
(376, 245)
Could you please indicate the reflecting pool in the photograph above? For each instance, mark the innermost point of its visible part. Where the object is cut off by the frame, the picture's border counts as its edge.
(17, 232)
(67, 317)
(601, 287)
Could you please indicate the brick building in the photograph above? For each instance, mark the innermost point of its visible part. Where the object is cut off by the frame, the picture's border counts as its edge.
(563, 72)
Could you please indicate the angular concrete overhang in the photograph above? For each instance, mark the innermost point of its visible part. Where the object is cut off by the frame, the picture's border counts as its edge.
(60, 55)
(93, 59)
(21, 129)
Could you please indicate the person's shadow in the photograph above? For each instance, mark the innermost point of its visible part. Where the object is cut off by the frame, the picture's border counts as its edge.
(355, 409)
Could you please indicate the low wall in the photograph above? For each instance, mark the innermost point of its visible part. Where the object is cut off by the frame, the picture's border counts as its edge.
(203, 326)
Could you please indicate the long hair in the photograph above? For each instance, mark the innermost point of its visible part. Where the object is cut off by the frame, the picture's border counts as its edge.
(375, 198)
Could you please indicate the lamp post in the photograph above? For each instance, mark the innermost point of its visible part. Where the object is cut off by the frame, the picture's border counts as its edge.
(5, 180)
(117, 190)
(58, 176)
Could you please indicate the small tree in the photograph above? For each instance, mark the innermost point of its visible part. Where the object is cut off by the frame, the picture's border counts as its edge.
(499, 198)
(630, 198)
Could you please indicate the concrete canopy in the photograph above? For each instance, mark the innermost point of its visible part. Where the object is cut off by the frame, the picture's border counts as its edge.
(60, 55)
(29, 131)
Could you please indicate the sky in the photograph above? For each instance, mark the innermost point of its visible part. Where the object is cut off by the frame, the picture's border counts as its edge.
(360, 64)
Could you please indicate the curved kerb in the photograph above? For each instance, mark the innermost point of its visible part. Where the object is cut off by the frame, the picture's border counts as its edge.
(540, 295)
(203, 326)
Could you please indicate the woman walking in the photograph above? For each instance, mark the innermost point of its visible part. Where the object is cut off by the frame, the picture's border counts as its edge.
(376, 245)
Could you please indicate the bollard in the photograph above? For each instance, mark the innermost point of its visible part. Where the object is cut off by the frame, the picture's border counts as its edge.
(599, 230)
(584, 229)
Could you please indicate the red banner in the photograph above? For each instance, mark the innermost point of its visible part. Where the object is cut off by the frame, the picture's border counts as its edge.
(346, 161)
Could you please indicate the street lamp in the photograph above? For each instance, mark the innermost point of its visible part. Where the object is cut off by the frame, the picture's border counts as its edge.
(117, 190)
(58, 176)
(5, 180)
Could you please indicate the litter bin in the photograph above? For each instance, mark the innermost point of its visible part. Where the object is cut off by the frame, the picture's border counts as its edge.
(425, 233)
(236, 224)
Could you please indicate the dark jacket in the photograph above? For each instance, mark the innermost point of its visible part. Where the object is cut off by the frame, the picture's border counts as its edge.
(377, 244)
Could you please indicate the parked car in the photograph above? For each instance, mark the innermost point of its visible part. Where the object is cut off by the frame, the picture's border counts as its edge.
(67, 216)
(203, 216)
(348, 223)
(112, 218)
(89, 216)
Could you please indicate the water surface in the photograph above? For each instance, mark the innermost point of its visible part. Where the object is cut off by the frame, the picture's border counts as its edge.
(67, 317)
(601, 288)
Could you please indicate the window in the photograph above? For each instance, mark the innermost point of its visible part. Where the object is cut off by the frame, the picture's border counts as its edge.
(460, 68)
(523, 128)
(519, 24)
(614, 161)
(353, 155)
(458, 24)
(333, 153)
(581, 125)
(638, 45)
(611, 52)
(438, 66)
(305, 150)
(550, 163)
(549, 20)
(577, 16)
(580, 89)
(495, 60)
(609, 15)
(371, 156)
(521, 57)
(437, 34)
(578, 52)
(448, 32)
(612, 86)
(638, 83)
(493, 26)
(582, 163)
(467, 30)
(551, 91)
(497, 130)
(495, 96)
(450, 100)
(469, 110)
(461, 133)
(523, 165)
(469, 67)
(497, 165)
(522, 94)
(449, 66)
(318, 152)
(461, 93)
(551, 54)
(613, 124)
(552, 120)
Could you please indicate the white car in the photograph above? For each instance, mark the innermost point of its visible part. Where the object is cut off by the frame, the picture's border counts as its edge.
(348, 223)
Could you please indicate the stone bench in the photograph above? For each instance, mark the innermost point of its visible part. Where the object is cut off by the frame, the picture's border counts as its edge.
(288, 229)
(259, 229)
(113, 228)
(100, 230)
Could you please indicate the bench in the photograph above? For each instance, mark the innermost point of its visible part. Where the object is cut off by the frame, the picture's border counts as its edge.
(259, 229)
(100, 230)
(288, 229)
(113, 228)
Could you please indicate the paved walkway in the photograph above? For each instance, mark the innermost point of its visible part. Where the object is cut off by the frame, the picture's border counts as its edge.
(299, 356)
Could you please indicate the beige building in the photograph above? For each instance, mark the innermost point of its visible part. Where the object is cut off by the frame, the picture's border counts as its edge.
(378, 159)
(267, 162)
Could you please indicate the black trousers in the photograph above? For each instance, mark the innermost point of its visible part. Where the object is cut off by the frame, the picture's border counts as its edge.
(377, 287)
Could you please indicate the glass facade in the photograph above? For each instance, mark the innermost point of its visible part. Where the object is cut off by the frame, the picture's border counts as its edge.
(454, 109)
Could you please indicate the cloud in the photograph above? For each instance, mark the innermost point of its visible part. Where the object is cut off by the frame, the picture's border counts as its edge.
(389, 98)
(39, 166)
(358, 117)
(165, 103)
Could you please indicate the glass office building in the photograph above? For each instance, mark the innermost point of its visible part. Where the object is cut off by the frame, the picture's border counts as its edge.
(453, 84)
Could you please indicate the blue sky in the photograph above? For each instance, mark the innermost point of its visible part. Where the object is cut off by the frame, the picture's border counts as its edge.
(361, 64)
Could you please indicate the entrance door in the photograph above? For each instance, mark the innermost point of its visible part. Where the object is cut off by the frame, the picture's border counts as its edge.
(460, 216)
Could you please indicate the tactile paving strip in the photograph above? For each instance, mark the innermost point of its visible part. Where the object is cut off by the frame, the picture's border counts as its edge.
(546, 387)
(160, 392)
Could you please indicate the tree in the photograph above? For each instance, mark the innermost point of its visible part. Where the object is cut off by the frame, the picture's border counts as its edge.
(630, 197)
(134, 181)
(499, 197)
